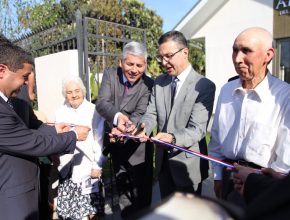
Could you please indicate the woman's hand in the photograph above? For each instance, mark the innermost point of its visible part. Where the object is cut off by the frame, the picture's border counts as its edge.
(96, 173)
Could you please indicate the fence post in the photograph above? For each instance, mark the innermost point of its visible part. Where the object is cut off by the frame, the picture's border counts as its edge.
(80, 47)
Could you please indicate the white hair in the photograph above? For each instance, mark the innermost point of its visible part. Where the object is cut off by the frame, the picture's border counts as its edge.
(136, 49)
(75, 79)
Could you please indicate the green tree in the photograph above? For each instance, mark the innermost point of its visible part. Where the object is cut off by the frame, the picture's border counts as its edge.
(131, 12)
(135, 13)
(197, 54)
(10, 25)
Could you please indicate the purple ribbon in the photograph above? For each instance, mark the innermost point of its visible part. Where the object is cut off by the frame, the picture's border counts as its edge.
(203, 156)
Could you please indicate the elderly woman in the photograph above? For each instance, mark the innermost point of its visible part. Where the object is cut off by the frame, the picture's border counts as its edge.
(79, 195)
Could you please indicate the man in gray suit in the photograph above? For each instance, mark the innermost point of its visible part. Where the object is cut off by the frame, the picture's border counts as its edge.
(180, 106)
(122, 100)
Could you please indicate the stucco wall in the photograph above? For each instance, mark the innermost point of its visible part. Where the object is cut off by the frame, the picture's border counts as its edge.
(50, 70)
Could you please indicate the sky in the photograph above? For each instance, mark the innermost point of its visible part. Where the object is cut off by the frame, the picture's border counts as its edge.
(172, 11)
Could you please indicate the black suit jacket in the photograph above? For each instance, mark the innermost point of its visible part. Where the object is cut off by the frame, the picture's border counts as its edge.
(110, 101)
(19, 147)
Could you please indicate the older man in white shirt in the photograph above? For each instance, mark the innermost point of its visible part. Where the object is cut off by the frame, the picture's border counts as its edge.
(250, 123)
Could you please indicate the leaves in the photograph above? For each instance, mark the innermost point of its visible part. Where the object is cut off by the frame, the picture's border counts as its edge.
(33, 15)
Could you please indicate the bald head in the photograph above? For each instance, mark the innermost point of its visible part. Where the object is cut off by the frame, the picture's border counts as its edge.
(252, 52)
(259, 36)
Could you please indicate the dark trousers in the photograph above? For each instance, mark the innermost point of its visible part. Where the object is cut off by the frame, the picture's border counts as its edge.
(167, 185)
(45, 211)
(228, 192)
(134, 183)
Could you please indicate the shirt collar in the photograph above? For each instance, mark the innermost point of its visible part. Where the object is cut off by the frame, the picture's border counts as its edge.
(182, 76)
(3, 96)
(126, 80)
(262, 89)
(82, 105)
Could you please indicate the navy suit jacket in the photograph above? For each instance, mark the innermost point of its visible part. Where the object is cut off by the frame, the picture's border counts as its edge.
(19, 149)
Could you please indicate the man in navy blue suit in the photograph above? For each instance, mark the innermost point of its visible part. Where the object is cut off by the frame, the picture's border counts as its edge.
(20, 146)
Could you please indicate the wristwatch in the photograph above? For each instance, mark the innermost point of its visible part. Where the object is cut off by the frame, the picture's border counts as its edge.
(173, 138)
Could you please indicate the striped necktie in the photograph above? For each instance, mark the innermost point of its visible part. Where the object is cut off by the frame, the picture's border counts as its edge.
(173, 89)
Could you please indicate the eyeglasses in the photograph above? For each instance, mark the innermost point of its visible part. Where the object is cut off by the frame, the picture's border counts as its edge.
(167, 57)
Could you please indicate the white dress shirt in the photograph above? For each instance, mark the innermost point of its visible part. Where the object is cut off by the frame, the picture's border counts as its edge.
(88, 153)
(252, 125)
(3, 96)
(181, 78)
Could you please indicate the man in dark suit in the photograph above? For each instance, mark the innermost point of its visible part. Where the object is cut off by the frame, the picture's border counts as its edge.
(20, 146)
(181, 106)
(123, 99)
(24, 110)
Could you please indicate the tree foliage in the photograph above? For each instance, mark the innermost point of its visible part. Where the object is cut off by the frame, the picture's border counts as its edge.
(136, 14)
(37, 14)
(197, 54)
(10, 25)
(131, 12)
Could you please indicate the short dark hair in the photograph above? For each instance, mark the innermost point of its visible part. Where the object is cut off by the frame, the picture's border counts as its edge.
(175, 36)
(12, 55)
(4, 40)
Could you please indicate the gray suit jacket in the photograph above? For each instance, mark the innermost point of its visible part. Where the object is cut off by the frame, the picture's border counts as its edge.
(110, 101)
(187, 120)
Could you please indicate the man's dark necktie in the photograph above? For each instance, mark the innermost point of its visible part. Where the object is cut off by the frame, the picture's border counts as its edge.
(173, 89)
(10, 103)
(126, 88)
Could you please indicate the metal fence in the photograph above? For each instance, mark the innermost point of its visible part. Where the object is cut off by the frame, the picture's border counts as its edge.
(99, 43)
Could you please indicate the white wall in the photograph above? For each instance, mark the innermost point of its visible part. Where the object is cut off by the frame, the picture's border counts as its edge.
(50, 70)
(222, 28)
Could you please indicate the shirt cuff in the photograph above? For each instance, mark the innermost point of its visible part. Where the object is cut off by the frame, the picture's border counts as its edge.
(74, 130)
(115, 122)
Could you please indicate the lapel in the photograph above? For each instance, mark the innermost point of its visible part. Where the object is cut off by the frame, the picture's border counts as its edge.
(9, 108)
(132, 92)
(167, 93)
(119, 88)
(5, 104)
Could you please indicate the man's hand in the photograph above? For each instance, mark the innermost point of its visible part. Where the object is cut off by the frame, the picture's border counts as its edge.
(82, 132)
(124, 124)
(95, 173)
(140, 128)
(272, 173)
(241, 174)
(113, 138)
(166, 137)
(140, 132)
(62, 127)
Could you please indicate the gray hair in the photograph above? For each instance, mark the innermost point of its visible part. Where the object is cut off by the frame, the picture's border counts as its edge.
(136, 49)
(75, 79)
